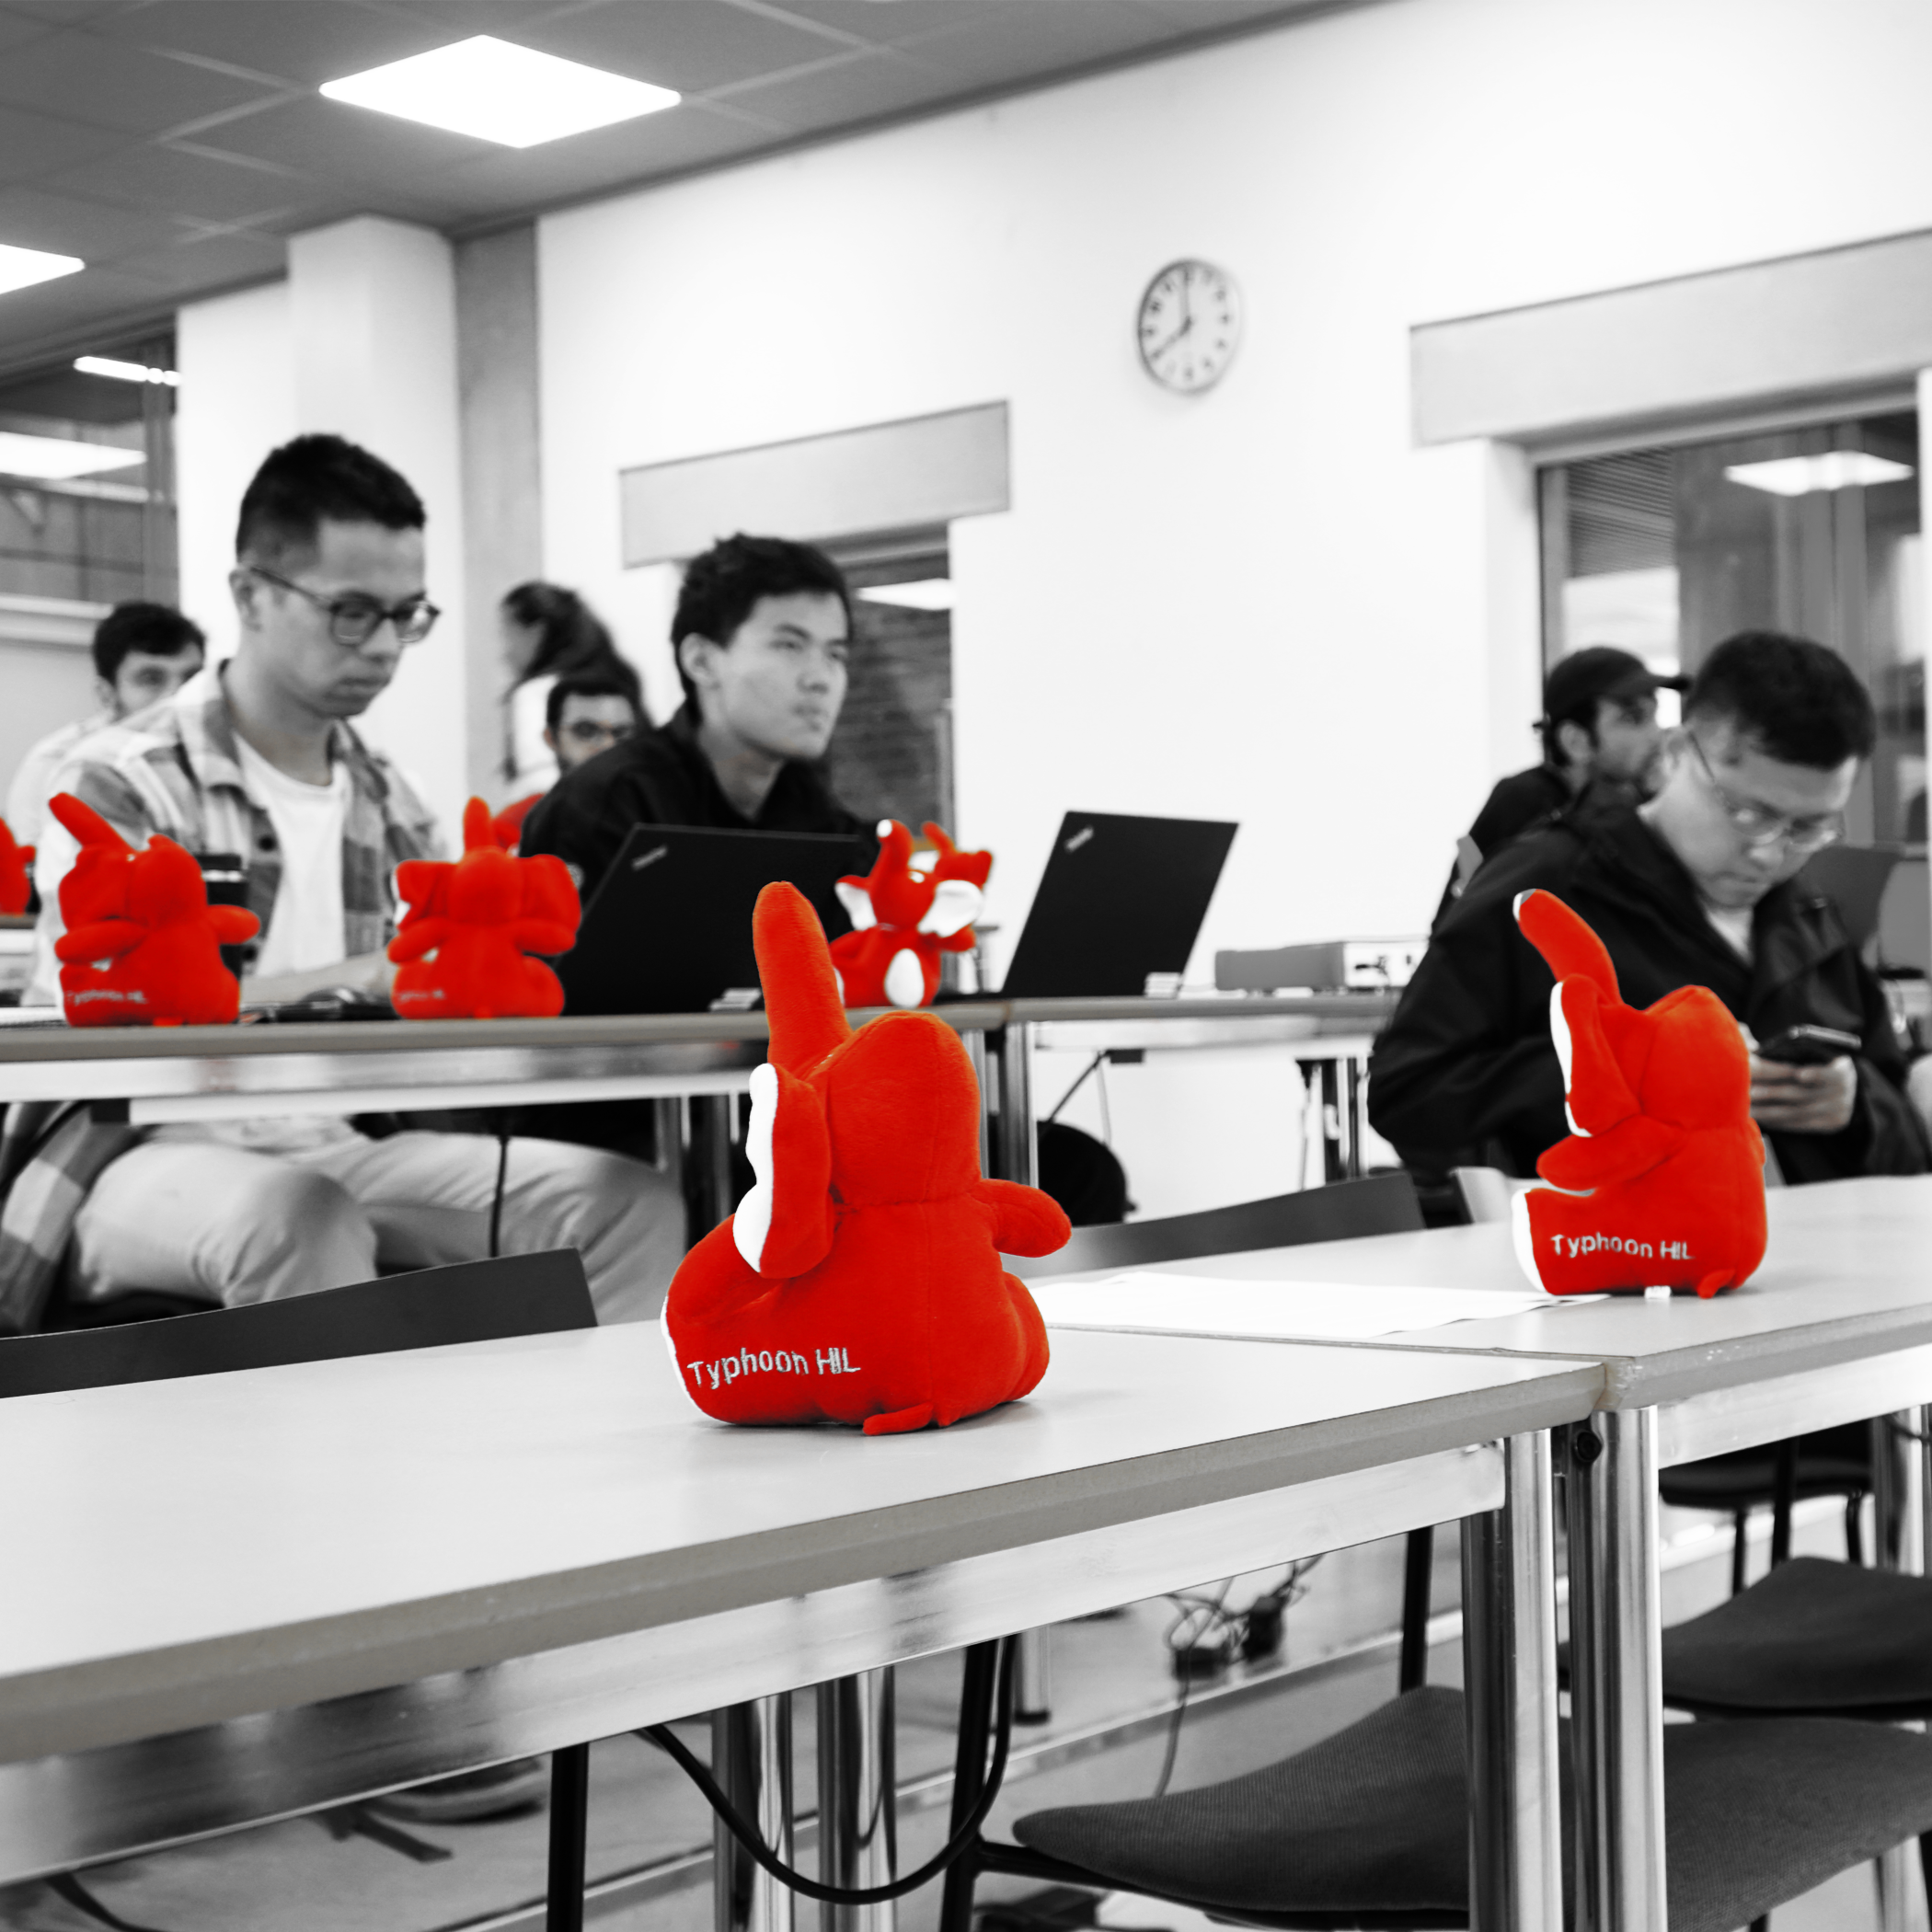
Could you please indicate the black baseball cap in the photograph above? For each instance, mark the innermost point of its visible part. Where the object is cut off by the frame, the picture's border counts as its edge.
(1577, 681)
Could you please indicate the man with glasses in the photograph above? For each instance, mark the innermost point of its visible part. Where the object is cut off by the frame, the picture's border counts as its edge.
(257, 759)
(1697, 887)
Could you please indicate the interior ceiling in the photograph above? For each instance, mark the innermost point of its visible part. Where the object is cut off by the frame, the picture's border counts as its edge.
(173, 143)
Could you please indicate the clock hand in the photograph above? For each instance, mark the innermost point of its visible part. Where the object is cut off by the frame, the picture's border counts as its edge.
(1175, 336)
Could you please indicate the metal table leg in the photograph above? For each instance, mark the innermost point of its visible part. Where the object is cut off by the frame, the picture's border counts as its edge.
(569, 1820)
(1015, 1153)
(1510, 1674)
(1616, 1671)
(750, 1753)
(858, 1828)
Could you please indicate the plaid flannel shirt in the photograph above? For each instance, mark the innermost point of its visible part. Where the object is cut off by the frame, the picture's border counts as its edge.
(174, 769)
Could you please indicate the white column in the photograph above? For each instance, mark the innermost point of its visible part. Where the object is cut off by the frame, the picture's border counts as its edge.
(372, 332)
(1512, 604)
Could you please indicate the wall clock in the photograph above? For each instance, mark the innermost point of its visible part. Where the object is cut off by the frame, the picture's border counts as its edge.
(1190, 325)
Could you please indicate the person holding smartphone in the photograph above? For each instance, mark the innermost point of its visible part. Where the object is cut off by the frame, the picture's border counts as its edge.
(1700, 885)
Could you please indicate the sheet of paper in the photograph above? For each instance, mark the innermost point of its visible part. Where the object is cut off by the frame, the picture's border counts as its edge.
(1187, 1303)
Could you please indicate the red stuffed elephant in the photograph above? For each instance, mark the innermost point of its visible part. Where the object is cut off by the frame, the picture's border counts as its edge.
(15, 886)
(142, 946)
(903, 919)
(859, 1280)
(465, 942)
(1663, 1172)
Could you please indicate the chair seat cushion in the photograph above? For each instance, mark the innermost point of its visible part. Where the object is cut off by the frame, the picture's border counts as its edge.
(1373, 1820)
(1812, 1635)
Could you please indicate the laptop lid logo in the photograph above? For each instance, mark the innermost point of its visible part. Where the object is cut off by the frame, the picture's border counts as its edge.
(1078, 839)
(650, 857)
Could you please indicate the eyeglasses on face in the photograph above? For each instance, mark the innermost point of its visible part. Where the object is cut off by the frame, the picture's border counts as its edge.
(1759, 826)
(353, 618)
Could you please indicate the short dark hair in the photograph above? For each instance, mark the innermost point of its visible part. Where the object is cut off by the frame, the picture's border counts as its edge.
(600, 683)
(1790, 698)
(158, 629)
(571, 637)
(722, 587)
(314, 480)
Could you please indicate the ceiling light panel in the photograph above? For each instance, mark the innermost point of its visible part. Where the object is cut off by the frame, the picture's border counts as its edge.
(501, 92)
(124, 372)
(56, 459)
(924, 593)
(22, 267)
(1800, 476)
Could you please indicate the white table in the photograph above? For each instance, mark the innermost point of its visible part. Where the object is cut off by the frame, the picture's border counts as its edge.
(1835, 1327)
(241, 1597)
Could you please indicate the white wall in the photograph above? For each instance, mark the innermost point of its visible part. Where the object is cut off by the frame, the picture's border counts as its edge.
(236, 403)
(1262, 603)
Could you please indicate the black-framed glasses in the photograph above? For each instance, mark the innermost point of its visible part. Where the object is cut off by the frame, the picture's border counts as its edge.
(1760, 827)
(354, 618)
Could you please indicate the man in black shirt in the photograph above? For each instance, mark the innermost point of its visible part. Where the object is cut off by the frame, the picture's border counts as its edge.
(761, 631)
(1698, 887)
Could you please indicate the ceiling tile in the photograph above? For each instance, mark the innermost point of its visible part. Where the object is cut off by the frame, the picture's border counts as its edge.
(26, 314)
(1205, 15)
(16, 31)
(334, 142)
(193, 265)
(36, 145)
(864, 88)
(70, 224)
(565, 170)
(1006, 42)
(108, 84)
(170, 181)
(885, 25)
(68, 13)
(691, 45)
(307, 41)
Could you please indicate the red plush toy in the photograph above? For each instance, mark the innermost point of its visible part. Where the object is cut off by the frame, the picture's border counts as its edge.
(859, 1280)
(464, 943)
(1663, 1170)
(15, 887)
(142, 946)
(903, 919)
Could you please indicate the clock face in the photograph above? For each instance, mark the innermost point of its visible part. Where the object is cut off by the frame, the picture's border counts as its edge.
(1190, 325)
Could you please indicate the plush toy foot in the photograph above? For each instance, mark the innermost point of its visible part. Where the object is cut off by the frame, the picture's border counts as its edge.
(1709, 1284)
(901, 1422)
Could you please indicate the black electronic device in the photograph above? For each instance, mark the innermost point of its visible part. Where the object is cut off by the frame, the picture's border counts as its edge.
(1809, 1046)
(1119, 906)
(669, 929)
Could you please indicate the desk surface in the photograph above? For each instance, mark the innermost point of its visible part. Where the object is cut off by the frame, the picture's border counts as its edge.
(192, 1550)
(1847, 1275)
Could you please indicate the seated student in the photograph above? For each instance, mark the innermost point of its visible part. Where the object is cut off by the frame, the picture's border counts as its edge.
(257, 757)
(761, 630)
(585, 714)
(1697, 887)
(142, 652)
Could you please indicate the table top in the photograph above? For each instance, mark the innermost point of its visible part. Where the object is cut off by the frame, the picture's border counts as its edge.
(202, 1549)
(1847, 1274)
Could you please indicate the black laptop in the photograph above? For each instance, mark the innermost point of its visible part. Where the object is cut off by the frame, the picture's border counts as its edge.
(669, 929)
(1119, 908)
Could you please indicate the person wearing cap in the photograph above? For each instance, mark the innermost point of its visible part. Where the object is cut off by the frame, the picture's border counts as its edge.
(1696, 886)
(1601, 740)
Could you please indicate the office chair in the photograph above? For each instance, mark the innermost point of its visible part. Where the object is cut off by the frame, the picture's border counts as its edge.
(471, 1301)
(1830, 1462)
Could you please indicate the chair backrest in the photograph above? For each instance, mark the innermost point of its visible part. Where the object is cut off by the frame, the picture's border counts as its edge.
(472, 1300)
(1381, 1204)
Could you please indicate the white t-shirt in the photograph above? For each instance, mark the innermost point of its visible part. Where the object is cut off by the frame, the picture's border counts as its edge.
(305, 928)
(1733, 926)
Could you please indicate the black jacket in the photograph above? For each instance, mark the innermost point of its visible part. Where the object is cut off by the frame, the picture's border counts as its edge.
(1465, 1073)
(663, 777)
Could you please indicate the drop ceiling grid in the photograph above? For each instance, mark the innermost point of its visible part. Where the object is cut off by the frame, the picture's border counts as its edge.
(175, 144)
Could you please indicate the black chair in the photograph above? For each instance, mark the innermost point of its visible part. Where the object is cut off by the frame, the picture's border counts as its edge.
(1381, 1204)
(471, 1301)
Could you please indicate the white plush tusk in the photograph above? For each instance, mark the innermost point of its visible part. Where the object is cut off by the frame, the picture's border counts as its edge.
(752, 1226)
(858, 903)
(956, 903)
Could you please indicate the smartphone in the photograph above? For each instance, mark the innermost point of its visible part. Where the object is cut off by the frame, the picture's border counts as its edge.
(1809, 1046)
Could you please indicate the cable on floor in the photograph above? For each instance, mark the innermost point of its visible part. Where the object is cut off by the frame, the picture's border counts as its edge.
(496, 1202)
(961, 1842)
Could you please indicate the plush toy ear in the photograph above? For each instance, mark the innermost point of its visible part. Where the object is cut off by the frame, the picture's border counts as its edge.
(974, 868)
(1595, 1094)
(84, 822)
(479, 830)
(855, 896)
(956, 903)
(784, 1227)
(1564, 940)
(808, 1019)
